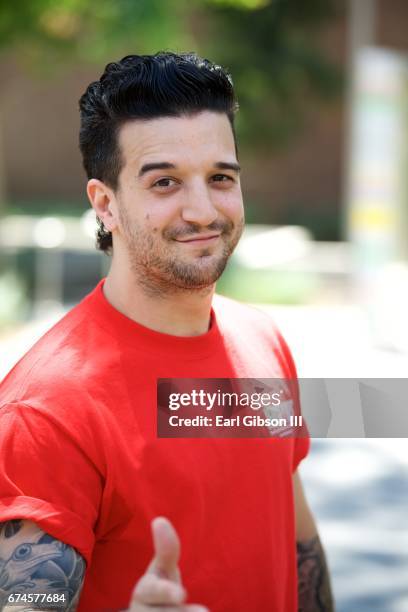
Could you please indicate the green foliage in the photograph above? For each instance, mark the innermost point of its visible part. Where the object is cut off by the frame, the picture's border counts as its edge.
(277, 62)
(46, 32)
(267, 286)
(270, 46)
(244, 4)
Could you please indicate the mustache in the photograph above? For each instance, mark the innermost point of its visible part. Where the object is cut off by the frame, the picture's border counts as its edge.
(223, 227)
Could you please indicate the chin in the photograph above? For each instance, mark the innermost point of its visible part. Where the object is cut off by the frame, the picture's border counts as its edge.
(196, 276)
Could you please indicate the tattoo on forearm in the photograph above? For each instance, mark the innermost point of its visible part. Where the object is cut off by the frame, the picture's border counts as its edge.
(33, 562)
(314, 592)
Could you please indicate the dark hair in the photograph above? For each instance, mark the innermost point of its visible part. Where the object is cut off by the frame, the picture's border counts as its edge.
(145, 87)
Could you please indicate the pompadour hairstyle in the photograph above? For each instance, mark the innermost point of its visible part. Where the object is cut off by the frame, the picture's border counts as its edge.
(145, 87)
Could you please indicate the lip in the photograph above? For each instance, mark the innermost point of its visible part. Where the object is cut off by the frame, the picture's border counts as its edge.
(200, 239)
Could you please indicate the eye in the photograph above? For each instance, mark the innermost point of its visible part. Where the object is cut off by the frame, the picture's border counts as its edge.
(164, 182)
(22, 552)
(222, 178)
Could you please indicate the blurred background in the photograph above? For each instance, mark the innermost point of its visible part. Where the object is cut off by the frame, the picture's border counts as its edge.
(323, 133)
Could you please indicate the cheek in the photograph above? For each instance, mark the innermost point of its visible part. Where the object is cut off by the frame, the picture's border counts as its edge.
(149, 225)
(231, 204)
(160, 216)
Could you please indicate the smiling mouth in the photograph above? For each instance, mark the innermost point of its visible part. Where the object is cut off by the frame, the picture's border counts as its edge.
(200, 238)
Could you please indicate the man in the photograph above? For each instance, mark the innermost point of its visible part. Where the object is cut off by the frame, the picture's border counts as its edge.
(95, 508)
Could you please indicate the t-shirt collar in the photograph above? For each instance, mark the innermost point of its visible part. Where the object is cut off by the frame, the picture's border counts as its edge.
(128, 331)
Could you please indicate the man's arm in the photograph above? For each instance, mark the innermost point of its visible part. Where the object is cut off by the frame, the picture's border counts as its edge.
(33, 563)
(314, 591)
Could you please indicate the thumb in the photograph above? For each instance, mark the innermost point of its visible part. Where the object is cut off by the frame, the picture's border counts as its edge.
(166, 545)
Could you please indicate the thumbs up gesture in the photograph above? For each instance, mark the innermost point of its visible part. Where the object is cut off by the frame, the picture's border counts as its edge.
(160, 588)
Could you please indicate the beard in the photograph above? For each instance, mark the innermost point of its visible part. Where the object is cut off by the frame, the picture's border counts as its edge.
(159, 264)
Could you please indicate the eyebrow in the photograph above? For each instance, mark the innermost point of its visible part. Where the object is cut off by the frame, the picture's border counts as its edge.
(167, 165)
(228, 166)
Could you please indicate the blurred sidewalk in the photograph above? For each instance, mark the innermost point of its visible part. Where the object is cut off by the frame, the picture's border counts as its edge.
(336, 341)
(15, 342)
(358, 491)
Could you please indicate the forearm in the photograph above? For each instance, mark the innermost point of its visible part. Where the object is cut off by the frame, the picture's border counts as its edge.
(314, 590)
(37, 570)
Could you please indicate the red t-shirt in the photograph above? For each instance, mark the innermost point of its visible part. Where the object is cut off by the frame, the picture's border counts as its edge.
(79, 456)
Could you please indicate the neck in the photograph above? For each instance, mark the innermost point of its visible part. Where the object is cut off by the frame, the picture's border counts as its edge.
(182, 313)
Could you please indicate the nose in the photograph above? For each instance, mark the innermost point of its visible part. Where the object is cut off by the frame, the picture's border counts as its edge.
(199, 207)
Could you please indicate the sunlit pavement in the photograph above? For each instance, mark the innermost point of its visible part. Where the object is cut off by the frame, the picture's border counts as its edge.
(330, 341)
(13, 344)
(358, 489)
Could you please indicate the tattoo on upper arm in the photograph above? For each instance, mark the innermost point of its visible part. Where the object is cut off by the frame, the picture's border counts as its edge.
(314, 592)
(32, 562)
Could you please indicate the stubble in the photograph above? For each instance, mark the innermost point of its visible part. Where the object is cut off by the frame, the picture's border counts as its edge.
(158, 266)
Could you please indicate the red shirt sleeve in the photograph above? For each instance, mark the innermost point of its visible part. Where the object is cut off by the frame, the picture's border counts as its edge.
(47, 478)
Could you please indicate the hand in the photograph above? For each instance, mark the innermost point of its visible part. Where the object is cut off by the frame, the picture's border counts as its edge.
(160, 588)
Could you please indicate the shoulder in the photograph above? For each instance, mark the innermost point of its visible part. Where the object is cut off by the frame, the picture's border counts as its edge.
(233, 314)
(63, 365)
(249, 325)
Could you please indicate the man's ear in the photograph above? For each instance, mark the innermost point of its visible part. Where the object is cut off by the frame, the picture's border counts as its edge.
(103, 201)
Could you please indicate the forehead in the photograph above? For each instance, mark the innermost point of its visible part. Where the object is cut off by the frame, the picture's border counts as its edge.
(200, 137)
